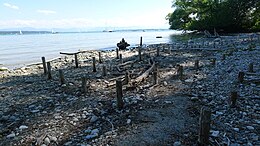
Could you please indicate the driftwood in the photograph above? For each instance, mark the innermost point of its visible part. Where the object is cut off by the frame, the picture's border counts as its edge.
(144, 75)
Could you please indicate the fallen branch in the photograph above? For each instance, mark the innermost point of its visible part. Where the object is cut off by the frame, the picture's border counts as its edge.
(144, 75)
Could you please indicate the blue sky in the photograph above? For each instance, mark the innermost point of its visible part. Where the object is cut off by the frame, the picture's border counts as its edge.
(84, 14)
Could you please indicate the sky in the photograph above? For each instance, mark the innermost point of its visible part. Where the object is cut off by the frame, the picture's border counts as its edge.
(84, 14)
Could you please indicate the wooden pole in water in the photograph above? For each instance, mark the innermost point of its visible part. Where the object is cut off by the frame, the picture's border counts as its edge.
(61, 75)
(205, 119)
(44, 65)
(119, 94)
(94, 64)
(84, 85)
(49, 70)
(76, 60)
(141, 41)
(99, 57)
(117, 53)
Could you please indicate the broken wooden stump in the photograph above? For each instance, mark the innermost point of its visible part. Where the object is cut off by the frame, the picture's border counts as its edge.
(120, 59)
(99, 57)
(61, 77)
(119, 94)
(204, 122)
(49, 70)
(241, 76)
(76, 60)
(140, 53)
(180, 71)
(157, 51)
(141, 41)
(196, 64)
(117, 53)
(233, 98)
(155, 75)
(44, 65)
(84, 85)
(104, 70)
(94, 64)
(127, 77)
(223, 56)
(213, 61)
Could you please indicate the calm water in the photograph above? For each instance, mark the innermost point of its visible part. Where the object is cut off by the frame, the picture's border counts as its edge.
(20, 50)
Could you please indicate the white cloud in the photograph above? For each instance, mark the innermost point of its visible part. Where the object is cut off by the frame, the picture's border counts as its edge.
(46, 12)
(11, 6)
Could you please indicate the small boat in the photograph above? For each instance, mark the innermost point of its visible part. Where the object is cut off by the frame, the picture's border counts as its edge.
(158, 37)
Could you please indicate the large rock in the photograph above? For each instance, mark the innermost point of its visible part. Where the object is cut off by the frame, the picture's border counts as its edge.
(122, 44)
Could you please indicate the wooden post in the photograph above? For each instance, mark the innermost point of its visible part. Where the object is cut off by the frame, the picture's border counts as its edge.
(205, 119)
(99, 57)
(127, 78)
(44, 65)
(94, 64)
(233, 98)
(117, 54)
(196, 64)
(61, 75)
(76, 60)
(170, 49)
(84, 85)
(141, 41)
(49, 70)
(241, 77)
(155, 75)
(120, 58)
(140, 53)
(251, 68)
(180, 71)
(158, 51)
(119, 94)
(104, 70)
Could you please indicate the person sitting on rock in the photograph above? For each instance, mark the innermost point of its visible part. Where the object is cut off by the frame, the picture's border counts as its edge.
(122, 44)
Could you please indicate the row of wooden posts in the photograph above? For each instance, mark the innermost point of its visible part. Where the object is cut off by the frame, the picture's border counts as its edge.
(205, 114)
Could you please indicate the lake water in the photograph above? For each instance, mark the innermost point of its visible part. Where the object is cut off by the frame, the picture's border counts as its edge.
(21, 50)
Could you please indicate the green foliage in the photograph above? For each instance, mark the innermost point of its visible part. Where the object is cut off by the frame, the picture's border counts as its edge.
(223, 15)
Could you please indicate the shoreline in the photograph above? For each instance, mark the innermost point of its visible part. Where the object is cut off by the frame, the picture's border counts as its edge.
(35, 108)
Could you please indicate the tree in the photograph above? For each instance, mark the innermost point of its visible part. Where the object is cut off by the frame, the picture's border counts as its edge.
(222, 15)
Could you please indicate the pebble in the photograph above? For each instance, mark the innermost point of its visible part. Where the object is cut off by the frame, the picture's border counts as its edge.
(177, 143)
(128, 121)
(236, 129)
(53, 138)
(94, 132)
(194, 99)
(215, 133)
(12, 135)
(47, 141)
(22, 127)
(250, 127)
(93, 119)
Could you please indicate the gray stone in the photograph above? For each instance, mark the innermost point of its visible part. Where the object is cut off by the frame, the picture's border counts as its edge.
(177, 143)
(12, 135)
(250, 127)
(93, 119)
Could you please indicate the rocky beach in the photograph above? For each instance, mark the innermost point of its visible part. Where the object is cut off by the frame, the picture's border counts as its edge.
(164, 88)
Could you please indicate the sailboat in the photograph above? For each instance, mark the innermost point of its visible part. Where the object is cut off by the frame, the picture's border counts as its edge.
(21, 33)
(53, 32)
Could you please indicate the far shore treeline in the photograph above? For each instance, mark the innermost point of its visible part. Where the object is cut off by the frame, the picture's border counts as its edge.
(222, 15)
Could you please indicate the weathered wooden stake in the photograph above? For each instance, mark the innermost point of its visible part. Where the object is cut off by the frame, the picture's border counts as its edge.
(119, 94)
(223, 56)
(155, 75)
(44, 65)
(251, 67)
(233, 98)
(84, 85)
(158, 51)
(61, 75)
(76, 60)
(141, 41)
(180, 71)
(120, 58)
(104, 70)
(117, 53)
(127, 78)
(196, 64)
(140, 53)
(49, 70)
(205, 119)
(241, 77)
(94, 64)
(99, 57)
